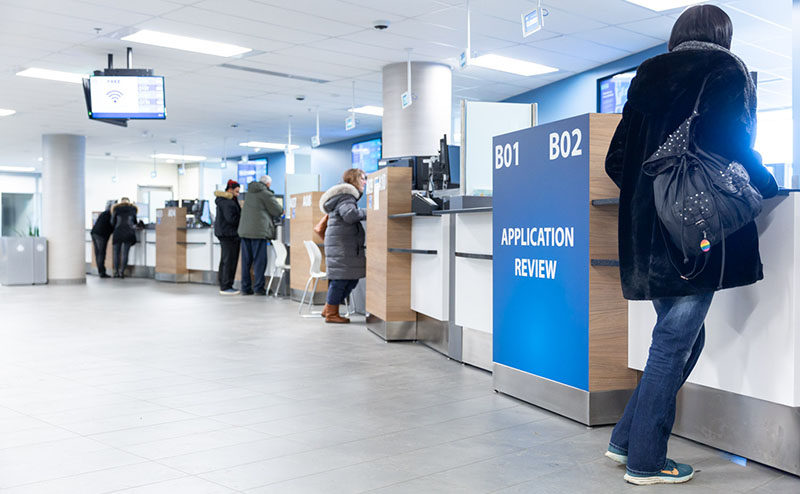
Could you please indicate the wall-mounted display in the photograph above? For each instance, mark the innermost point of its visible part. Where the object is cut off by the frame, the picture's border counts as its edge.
(612, 91)
(366, 155)
(250, 170)
(127, 97)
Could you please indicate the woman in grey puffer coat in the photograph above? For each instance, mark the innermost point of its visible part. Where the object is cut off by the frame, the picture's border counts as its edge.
(344, 241)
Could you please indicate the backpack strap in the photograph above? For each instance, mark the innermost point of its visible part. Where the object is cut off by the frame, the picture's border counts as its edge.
(697, 101)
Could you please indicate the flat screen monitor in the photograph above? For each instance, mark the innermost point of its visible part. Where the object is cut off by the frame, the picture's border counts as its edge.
(250, 171)
(366, 155)
(189, 204)
(612, 91)
(127, 97)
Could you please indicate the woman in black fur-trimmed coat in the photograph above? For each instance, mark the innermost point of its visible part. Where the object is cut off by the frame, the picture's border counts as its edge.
(661, 97)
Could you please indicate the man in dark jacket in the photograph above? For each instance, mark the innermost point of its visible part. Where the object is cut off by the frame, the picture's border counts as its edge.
(123, 218)
(101, 232)
(225, 228)
(256, 227)
(345, 258)
(661, 97)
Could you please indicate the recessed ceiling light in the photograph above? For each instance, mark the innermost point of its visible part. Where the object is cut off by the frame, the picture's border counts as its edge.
(17, 169)
(267, 145)
(52, 75)
(370, 110)
(5, 113)
(512, 65)
(661, 5)
(185, 43)
(183, 157)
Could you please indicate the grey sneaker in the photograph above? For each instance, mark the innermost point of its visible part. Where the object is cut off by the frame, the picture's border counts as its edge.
(229, 291)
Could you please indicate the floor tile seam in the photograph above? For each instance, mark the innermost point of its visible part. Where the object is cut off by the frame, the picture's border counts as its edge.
(162, 460)
(75, 475)
(378, 436)
(154, 424)
(90, 436)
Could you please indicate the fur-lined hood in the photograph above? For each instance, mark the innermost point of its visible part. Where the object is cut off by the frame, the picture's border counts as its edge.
(121, 204)
(337, 190)
(223, 194)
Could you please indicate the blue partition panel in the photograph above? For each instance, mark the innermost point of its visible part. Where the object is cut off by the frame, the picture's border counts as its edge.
(541, 251)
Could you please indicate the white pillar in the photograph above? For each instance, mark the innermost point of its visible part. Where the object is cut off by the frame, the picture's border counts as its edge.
(63, 207)
(416, 130)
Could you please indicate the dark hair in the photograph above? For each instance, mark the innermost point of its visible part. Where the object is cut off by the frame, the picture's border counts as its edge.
(702, 23)
(232, 184)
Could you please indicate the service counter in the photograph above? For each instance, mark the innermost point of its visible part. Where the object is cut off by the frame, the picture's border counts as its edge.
(186, 254)
(744, 395)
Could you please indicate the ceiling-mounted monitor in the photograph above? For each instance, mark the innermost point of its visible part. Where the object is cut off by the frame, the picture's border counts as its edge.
(127, 97)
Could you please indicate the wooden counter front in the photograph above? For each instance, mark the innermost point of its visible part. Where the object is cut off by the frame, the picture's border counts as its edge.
(171, 245)
(305, 214)
(389, 273)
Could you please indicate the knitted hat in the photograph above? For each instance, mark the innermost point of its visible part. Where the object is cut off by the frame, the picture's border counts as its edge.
(232, 184)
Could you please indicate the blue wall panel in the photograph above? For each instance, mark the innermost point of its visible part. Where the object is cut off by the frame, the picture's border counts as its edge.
(577, 95)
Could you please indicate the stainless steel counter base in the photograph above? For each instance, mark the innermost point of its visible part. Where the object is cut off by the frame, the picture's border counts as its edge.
(172, 278)
(759, 430)
(589, 408)
(318, 298)
(133, 271)
(392, 330)
(433, 333)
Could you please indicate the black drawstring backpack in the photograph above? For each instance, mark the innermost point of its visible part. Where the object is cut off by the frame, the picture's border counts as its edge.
(701, 197)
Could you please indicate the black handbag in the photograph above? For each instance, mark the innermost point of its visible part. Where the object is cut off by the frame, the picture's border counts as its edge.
(700, 196)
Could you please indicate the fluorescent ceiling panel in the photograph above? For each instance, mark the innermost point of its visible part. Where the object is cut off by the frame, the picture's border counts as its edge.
(52, 75)
(661, 5)
(185, 43)
(512, 65)
(4, 112)
(183, 157)
(369, 110)
(267, 145)
(17, 169)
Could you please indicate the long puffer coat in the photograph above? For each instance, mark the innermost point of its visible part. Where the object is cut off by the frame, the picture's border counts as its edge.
(661, 96)
(123, 217)
(344, 239)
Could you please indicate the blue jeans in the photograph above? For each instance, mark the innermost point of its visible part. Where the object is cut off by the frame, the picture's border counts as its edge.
(254, 253)
(646, 424)
(339, 290)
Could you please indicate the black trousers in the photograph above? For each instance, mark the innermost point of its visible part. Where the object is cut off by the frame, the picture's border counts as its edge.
(121, 257)
(228, 259)
(100, 243)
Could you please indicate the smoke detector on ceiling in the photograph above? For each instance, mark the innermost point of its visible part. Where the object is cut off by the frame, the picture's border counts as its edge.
(380, 25)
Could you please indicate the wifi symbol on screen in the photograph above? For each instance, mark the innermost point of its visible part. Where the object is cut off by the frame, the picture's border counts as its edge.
(114, 95)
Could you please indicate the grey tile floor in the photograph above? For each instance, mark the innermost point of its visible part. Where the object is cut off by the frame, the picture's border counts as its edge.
(134, 386)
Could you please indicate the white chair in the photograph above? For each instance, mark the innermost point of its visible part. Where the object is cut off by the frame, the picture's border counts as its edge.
(280, 264)
(315, 274)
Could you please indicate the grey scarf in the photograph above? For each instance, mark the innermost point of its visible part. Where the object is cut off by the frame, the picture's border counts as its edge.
(749, 91)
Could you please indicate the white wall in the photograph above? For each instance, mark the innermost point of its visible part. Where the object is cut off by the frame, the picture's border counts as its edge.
(20, 184)
(100, 188)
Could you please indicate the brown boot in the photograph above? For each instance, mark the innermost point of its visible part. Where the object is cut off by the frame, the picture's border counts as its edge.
(326, 310)
(332, 315)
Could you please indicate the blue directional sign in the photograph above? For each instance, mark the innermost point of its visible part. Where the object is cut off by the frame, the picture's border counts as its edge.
(541, 251)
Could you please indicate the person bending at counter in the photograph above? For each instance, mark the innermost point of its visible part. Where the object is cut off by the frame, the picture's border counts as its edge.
(256, 228)
(123, 217)
(226, 225)
(344, 241)
(101, 232)
(660, 98)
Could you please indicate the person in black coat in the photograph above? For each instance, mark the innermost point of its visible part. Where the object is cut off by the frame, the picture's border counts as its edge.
(226, 225)
(101, 232)
(660, 98)
(123, 218)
